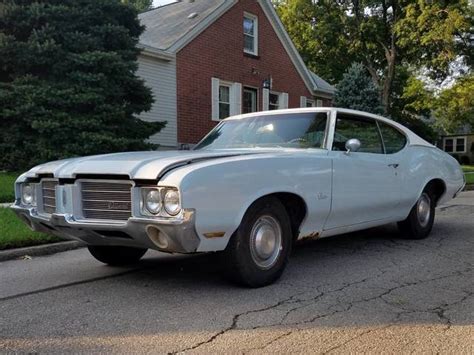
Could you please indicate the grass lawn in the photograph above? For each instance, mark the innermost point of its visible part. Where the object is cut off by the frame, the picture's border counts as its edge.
(7, 193)
(15, 234)
(468, 168)
(469, 177)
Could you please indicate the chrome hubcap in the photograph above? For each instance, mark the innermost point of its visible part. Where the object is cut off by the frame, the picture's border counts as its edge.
(423, 209)
(265, 242)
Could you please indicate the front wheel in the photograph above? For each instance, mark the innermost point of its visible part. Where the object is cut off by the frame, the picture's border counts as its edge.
(259, 250)
(116, 255)
(420, 221)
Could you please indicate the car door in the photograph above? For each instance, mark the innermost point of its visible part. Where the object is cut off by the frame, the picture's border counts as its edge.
(365, 183)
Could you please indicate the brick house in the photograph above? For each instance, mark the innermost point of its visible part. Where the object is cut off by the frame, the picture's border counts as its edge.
(208, 59)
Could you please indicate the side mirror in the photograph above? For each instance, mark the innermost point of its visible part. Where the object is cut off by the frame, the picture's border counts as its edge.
(352, 145)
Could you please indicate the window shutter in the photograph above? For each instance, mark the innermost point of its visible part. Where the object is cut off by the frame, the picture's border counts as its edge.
(265, 99)
(236, 101)
(215, 98)
(302, 101)
(284, 100)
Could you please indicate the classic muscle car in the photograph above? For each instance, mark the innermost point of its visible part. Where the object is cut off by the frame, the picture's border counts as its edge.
(254, 185)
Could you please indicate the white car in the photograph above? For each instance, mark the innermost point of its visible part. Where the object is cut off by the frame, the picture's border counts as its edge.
(254, 185)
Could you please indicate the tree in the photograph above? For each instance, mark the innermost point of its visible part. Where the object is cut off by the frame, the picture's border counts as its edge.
(384, 35)
(357, 91)
(454, 107)
(139, 5)
(68, 83)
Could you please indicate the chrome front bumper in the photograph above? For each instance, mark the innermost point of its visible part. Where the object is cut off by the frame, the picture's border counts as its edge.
(180, 234)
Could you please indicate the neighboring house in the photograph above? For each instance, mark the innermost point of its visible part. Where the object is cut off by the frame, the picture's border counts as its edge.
(208, 59)
(461, 146)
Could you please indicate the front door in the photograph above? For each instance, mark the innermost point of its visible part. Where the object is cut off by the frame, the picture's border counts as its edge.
(365, 184)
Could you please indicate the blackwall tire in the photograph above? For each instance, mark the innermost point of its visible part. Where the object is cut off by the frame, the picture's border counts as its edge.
(259, 250)
(420, 221)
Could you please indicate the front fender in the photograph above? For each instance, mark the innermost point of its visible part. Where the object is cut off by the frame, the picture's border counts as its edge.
(222, 191)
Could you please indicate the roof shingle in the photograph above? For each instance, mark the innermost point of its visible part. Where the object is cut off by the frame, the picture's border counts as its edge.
(167, 24)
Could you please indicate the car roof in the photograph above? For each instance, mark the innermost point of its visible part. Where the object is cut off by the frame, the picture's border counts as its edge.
(413, 138)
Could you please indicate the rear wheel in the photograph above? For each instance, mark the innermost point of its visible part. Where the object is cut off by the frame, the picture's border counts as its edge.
(116, 255)
(259, 250)
(419, 222)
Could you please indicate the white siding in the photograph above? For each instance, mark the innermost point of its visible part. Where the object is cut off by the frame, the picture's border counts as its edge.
(160, 77)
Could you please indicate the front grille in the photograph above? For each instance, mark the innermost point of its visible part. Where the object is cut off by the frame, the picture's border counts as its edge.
(106, 200)
(48, 188)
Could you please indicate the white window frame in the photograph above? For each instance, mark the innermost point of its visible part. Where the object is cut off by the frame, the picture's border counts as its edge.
(229, 86)
(319, 103)
(235, 98)
(253, 18)
(310, 102)
(283, 99)
(455, 144)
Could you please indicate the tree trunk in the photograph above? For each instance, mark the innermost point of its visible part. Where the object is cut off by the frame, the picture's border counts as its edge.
(388, 80)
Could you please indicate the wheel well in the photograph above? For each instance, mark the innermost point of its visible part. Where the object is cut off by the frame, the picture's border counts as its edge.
(295, 207)
(437, 188)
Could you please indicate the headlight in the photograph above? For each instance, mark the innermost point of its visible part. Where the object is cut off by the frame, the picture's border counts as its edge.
(171, 202)
(28, 194)
(153, 201)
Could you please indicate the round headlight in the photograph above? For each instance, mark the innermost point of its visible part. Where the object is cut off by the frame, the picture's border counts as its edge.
(28, 194)
(171, 202)
(153, 201)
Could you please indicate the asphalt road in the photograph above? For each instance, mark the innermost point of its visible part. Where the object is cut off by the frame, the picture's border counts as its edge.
(362, 292)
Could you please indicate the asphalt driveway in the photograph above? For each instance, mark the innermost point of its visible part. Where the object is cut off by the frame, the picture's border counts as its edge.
(363, 292)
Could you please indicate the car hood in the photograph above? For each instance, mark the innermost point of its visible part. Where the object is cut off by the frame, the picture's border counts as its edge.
(135, 165)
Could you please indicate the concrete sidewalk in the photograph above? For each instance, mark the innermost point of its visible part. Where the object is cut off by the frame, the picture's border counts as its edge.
(465, 198)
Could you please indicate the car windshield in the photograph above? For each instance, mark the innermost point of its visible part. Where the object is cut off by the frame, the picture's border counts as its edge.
(302, 130)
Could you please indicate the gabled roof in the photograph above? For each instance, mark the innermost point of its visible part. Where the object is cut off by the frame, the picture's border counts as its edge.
(171, 27)
(322, 84)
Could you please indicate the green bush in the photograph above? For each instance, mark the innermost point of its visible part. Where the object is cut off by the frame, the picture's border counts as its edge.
(7, 193)
(68, 83)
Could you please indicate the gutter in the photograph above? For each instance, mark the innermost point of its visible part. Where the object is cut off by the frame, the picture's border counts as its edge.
(155, 53)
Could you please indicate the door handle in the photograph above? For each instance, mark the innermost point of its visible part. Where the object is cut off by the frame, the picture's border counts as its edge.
(394, 165)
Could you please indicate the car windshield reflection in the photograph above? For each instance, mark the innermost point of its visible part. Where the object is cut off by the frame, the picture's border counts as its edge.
(305, 130)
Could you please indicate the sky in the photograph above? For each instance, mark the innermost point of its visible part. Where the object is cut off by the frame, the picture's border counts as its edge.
(161, 2)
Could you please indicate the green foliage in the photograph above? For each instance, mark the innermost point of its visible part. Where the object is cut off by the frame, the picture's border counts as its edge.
(7, 181)
(67, 81)
(357, 91)
(386, 36)
(139, 5)
(317, 30)
(454, 106)
(432, 34)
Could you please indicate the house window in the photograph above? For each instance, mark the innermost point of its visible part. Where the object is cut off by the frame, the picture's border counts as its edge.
(274, 101)
(455, 145)
(226, 97)
(250, 34)
(460, 145)
(249, 100)
(224, 101)
(319, 103)
(310, 103)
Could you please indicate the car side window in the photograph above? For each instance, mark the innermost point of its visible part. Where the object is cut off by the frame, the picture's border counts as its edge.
(393, 139)
(365, 130)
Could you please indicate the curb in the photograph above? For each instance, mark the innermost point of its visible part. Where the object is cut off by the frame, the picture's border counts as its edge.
(39, 250)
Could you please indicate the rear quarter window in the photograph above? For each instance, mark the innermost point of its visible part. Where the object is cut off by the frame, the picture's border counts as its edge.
(393, 139)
